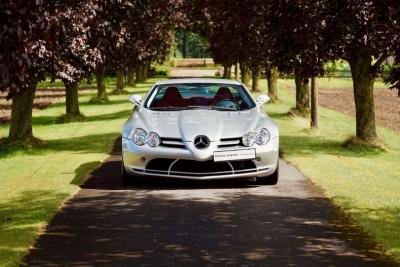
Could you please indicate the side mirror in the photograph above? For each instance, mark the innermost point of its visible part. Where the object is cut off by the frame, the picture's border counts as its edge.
(262, 99)
(135, 99)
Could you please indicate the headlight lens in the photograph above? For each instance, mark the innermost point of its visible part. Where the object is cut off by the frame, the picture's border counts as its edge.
(139, 137)
(153, 139)
(260, 138)
(263, 137)
(248, 139)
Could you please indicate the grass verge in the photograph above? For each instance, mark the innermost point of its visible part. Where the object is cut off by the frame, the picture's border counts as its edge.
(364, 182)
(35, 180)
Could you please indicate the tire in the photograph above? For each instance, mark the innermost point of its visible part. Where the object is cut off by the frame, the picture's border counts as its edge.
(270, 179)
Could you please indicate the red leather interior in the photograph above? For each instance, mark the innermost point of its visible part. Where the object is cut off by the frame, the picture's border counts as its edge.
(171, 98)
(223, 93)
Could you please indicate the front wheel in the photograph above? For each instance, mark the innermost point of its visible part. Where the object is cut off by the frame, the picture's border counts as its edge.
(270, 179)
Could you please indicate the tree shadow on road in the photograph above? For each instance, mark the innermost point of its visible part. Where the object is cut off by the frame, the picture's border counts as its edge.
(140, 228)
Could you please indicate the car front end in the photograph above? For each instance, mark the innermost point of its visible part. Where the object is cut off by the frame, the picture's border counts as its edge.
(201, 144)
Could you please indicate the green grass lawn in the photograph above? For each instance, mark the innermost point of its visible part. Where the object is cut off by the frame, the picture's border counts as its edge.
(35, 182)
(365, 184)
(337, 83)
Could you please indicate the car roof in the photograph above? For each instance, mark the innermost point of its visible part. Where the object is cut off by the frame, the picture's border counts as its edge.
(197, 80)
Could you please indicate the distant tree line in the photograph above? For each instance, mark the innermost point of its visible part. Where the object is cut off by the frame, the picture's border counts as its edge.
(76, 39)
(191, 45)
(299, 37)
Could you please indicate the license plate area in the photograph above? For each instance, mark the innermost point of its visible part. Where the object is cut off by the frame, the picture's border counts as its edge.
(232, 155)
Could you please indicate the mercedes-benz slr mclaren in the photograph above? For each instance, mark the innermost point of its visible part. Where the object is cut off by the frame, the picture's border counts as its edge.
(200, 129)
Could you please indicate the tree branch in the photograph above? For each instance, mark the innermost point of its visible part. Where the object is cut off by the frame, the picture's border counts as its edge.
(380, 60)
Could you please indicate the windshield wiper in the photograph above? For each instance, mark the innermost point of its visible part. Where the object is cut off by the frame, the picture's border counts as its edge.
(167, 109)
(223, 108)
(197, 107)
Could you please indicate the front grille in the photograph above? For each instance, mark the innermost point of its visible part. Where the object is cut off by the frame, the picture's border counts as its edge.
(199, 168)
(230, 142)
(172, 142)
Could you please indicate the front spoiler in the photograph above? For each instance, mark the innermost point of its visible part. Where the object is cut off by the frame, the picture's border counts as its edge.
(198, 176)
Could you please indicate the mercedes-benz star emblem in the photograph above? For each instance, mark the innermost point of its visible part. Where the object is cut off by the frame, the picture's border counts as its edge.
(201, 142)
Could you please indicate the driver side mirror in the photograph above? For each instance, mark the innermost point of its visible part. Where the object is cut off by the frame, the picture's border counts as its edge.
(135, 99)
(262, 99)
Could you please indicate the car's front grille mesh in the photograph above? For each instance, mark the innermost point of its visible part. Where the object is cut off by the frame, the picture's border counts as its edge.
(172, 142)
(199, 168)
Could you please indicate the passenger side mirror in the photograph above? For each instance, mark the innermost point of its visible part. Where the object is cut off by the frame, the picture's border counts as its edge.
(262, 99)
(135, 99)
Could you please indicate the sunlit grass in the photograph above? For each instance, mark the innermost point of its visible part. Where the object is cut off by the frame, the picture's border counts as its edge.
(35, 181)
(364, 182)
(337, 83)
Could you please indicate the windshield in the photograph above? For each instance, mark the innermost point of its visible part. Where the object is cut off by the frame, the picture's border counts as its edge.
(200, 96)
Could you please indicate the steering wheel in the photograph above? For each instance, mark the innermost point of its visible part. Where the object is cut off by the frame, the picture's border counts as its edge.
(226, 103)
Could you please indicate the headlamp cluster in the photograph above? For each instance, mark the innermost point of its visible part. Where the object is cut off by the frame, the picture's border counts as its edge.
(260, 138)
(140, 137)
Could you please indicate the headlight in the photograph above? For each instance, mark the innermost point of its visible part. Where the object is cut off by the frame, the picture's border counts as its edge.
(153, 139)
(248, 139)
(260, 138)
(263, 137)
(139, 137)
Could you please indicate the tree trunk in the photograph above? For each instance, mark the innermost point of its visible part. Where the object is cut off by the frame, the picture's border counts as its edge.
(148, 70)
(237, 71)
(101, 86)
(144, 72)
(53, 77)
(72, 99)
(120, 79)
(255, 79)
(229, 72)
(184, 45)
(244, 74)
(225, 72)
(302, 94)
(363, 83)
(314, 102)
(131, 75)
(21, 115)
(272, 74)
(89, 80)
(139, 73)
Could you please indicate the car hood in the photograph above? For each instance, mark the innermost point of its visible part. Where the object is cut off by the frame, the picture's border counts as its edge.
(188, 124)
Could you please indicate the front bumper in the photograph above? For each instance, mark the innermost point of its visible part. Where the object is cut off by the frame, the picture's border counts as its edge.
(197, 165)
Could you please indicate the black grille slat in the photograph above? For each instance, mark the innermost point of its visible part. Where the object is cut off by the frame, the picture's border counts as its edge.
(171, 139)
(199, 168)
(159, 164)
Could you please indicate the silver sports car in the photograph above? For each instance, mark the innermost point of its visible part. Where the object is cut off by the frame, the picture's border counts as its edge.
(200, 129)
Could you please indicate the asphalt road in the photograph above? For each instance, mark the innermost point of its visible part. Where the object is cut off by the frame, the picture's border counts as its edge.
(192, 72)
(184, 223)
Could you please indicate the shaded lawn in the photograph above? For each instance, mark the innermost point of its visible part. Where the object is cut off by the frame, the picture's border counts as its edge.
(365, 183)
(35, 181)
(336, 83)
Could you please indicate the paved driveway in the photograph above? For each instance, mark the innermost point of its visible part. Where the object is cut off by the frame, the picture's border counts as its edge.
(183, 223)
